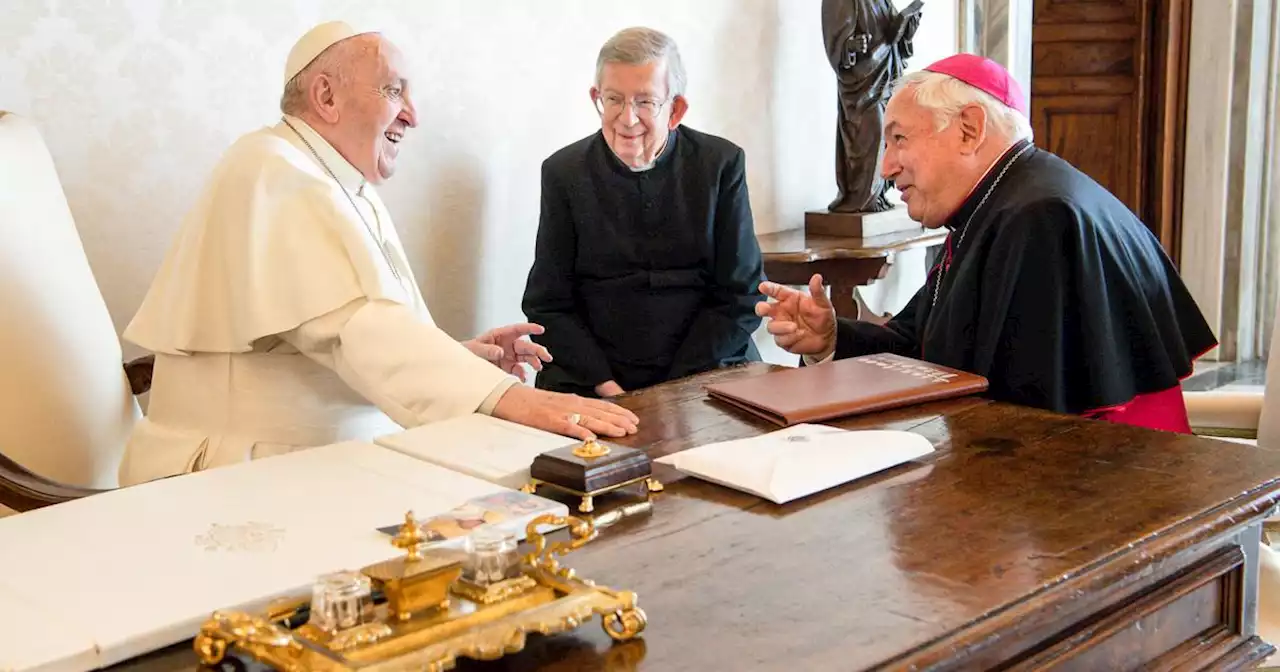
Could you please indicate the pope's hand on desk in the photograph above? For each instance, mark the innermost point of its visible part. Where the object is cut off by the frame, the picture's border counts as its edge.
(802, 324)
(566, 414)
(507, 348)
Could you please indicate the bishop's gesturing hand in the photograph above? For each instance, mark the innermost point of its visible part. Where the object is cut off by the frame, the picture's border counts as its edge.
(802, 324)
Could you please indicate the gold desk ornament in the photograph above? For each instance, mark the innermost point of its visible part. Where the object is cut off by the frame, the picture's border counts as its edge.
(541, 596)
(410, 537)
(591, 469)
(418, 581)
(591, 449)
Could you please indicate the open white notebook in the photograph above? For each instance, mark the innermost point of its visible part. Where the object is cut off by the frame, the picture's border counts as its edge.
(140, 568)
(799, 460)
(477, 445)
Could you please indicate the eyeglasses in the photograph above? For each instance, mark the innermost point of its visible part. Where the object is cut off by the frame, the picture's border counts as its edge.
(612, 105)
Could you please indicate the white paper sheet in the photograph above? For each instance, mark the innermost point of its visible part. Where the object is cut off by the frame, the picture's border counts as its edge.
(33, 640)
(477, 445)
(141, 568)
(800, 460)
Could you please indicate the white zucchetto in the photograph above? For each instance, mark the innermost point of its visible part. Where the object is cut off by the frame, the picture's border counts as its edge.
(314, 42)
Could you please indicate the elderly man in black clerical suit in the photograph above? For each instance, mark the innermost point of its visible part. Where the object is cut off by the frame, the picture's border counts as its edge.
(1048, 285)
(646, 266)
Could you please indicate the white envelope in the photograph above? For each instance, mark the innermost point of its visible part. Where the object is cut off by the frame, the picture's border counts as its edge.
(799, 460)
(141, 568)
(477, 445)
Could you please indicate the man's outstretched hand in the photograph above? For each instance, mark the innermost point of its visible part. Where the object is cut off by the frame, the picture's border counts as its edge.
(802, 324)
(507, 348)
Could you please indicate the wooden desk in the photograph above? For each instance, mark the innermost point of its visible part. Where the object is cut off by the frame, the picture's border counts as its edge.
(792, 257)
(1027, 540)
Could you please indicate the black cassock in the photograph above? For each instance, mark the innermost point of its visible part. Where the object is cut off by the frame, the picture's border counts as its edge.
(1054, 291)
(641, 277)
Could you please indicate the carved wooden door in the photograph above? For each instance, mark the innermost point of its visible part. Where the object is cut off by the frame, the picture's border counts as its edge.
(1108, 83)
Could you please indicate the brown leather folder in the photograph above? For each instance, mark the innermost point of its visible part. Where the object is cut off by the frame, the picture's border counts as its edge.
(846, 387)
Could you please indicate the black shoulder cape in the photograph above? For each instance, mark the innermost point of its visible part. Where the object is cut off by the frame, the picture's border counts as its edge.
(1053, 290)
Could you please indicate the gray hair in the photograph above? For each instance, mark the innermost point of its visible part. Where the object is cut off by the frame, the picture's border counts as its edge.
(637, 46)
(293, 101)
(946, 96)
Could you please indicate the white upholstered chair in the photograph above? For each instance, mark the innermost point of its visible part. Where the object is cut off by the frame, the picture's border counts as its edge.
(66, 403)
(1247, 417)
(1251, 418)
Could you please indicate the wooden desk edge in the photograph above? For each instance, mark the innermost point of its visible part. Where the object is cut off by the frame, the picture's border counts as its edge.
(1110, 584)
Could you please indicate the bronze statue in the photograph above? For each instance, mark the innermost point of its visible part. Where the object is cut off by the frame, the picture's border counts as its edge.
(868, 43)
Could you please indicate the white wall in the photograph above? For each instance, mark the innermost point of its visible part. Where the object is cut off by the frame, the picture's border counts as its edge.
(137, 101)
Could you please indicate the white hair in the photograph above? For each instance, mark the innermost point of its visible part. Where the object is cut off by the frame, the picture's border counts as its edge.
(637, 46)
(946, 96)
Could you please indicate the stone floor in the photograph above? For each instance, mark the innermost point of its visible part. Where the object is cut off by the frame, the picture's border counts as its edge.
(1247, 376)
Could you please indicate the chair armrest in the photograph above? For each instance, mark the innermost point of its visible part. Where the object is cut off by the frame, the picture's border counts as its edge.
(22, 490)
(1224, 413)
(139, 373)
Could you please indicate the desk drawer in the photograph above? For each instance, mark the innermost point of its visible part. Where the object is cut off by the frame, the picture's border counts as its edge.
(1190, 620)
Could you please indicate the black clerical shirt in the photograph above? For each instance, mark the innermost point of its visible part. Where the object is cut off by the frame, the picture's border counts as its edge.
(641, 277)
(1051, 288)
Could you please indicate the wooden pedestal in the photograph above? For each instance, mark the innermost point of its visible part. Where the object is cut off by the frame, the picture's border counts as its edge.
(588, 477)
(858, 224)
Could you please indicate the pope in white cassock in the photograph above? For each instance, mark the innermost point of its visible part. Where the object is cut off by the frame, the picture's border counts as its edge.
(285, 315)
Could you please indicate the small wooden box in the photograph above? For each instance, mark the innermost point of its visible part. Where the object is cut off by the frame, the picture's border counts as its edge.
(569, 470)
(858, 224)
